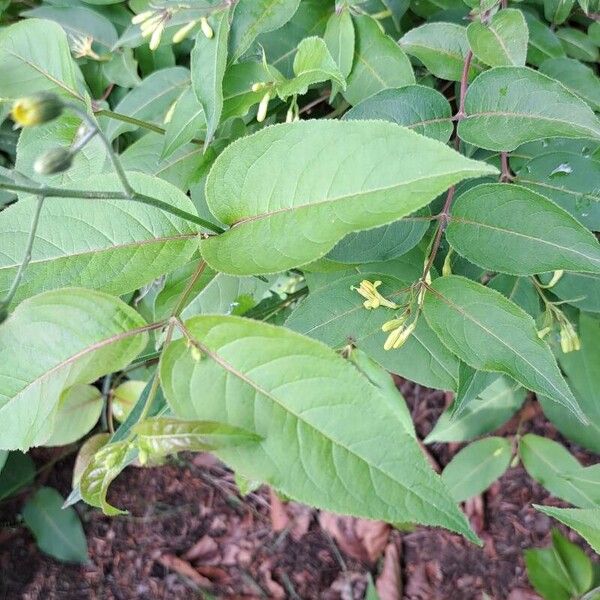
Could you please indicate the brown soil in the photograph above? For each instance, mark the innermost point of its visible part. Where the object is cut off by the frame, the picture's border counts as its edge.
(189, 535)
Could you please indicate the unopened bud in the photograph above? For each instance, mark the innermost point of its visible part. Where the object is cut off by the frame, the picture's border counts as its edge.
(206, 28)
(447, 266)
(156, 36)
(34, 110)
(263, 107)
(181, 34)
(256, 87)
(53, 161)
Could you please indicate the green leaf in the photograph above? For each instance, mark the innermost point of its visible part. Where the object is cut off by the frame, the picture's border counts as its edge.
(54, 341)
(3, 458)
(441, 47)
(417, 107)
(508, 106)
(577, 44)
(494, 406)
(543, 42)
(579, 289)
(340, 39)
(114, 245)
(312, 64)
(78, 411)
(511, 229)
(382, 243)
(581, 80)
(79, 22)
(557, 11)
(334, 314)
(379, 63)
(326, 429)
(562, 572)
(476, 467)
(238, 96)
(17, 472)
(491, 333)
(57, 531)
(585, 521)
(551, 465)
(150, 100)
(208, 62)
(471, 383)
(503, 41)
(188, 122)
(161, 436)
(521, 290)
(583, 375)
(27, 68)
(253, 17)
(571, 180)
(101, 471)
(276, 192)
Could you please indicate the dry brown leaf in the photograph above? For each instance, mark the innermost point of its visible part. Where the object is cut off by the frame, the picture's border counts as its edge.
(360, 538)
(183, 568)
(389, 582)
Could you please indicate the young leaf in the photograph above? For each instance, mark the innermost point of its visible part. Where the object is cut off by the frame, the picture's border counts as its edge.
(510, 229)
(557, 11)
(585, 521)
(471, 383)
(208, 63)
(53, 341)
(378, 62)
(417, 107)
(508, 106)
(476, 467)
(441, 47)
(571, 180)
(78, 411)
(503, 41)
(494, 406)
(114, 245)
(161, 436)
(253, 17)
(327, 432)
(340, 39)
(275, 190)
(58, 532)
(312, 64)
(334, 314)
(150, 100)
(17, 471)
(576, 76)
(551, 465)
(491, 333)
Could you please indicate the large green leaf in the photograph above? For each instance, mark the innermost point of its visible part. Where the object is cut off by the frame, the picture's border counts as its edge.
(287, 205)
(378, 62)
(511, 229)
(585, 521)
(502, 41)
(208, 62)
(253, 17)
(491, 333)
(579, 78)
(58, 532)
(476, 467)
(334, 314)
(572, 180)
(494, 406)
(417, 107)
(583, 375)
(150, 100)
(329, 437)
(557, 11)
(340, 39)
(51, 342)
(110, 245)
(543, 42)
(508, 106)
(441, 47)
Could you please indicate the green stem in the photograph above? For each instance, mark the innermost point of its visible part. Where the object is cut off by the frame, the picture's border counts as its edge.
(27, 258)
(52, 192)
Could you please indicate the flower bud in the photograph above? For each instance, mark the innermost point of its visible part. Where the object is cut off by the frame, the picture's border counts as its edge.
(54, 161)
(181, 34)
(206, 28)
(34, 110)
(263, 107)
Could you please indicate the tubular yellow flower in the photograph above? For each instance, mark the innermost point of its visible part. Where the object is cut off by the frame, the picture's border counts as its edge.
(569, 340)
(157, 36)
(398, 337)
(143, 16)
(181, 34)
(261, 115)
(35, 110)
(395, 323)
(373, 298)
(206, 28)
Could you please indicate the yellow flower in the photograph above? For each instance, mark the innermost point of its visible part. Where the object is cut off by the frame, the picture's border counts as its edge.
(373, 298)
(206, 28)
(34, 110)
(181, 34)
(569, 340)
(398, 337)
